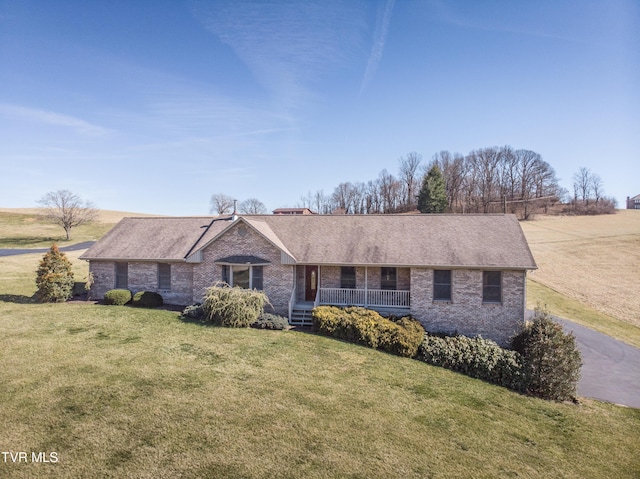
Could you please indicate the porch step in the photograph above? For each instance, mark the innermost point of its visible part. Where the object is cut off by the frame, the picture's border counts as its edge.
(301, 316)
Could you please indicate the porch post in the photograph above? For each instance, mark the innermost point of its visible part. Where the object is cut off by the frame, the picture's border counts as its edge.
(366, 286)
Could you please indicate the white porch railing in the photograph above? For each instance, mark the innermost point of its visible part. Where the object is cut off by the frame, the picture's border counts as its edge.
(365, 297)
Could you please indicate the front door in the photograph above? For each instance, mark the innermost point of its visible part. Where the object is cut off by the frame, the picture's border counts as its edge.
(310, 283)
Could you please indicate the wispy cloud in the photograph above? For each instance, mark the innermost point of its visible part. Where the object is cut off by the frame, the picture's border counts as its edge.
(524, 23)
(51, 118)
(379, 39)
(288, 46)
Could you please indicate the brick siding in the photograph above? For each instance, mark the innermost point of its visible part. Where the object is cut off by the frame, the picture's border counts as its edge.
(466, 313)
(241, 239)
(143, 276)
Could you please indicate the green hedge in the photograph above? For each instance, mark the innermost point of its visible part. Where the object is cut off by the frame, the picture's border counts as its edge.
(147, 299)
(475, 357)
(369, 328)
(117, 297)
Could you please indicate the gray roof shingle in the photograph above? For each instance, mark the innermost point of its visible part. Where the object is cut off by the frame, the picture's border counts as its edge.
(477, 241)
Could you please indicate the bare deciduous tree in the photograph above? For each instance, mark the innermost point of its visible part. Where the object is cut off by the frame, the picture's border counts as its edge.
(67, 209)
(582, 184)
(409, 177)
(597, 187)
(252, 206)
(221, 204)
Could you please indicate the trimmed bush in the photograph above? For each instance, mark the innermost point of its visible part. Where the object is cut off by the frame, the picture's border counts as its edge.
(194, 311)
(233, 307)
(117, 297)
(147, 299)
(271, 321)
(552, 358)
(475, 357)
(403, 338)
(54, 278)
(369, 328)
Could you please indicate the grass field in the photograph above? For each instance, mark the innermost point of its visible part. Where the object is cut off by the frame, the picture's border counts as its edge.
(592, 259)
(27, 228)
(124, 392)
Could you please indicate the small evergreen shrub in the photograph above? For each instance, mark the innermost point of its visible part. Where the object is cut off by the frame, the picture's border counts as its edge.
(552, 358)
(233, 307)
(369, 328)
(147, 299)
(54, 278)
(117, 297)
(403, 338)
(194, 311)
(476, 357)
(271, 321)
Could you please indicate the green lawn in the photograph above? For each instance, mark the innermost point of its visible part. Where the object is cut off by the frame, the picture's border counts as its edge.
(124, 392)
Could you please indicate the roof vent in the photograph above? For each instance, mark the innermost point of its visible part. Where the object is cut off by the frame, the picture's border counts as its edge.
(234, 216)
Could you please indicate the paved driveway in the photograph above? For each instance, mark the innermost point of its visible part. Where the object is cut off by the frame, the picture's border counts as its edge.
(15, 251)
(611, 368)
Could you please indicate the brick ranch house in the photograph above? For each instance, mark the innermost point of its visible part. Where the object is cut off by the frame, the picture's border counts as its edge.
(463, 273)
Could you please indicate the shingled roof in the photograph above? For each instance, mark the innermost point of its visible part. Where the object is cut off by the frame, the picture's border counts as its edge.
(476, 241)
(153, 238)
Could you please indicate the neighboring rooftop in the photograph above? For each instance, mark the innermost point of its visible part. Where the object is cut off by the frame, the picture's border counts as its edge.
(293, 211)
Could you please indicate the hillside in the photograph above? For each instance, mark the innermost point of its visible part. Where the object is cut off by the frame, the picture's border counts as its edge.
(593, 259)
(27, 228)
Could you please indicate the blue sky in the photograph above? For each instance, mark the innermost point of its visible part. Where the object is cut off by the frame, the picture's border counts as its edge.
(153, 106)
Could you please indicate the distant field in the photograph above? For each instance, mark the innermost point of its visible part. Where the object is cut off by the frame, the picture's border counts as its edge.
(593, 259)
(27, 228)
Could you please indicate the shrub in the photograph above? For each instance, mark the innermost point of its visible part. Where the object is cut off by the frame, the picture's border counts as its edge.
(147, 299)
(54, 278)
(194, 311)
(552, 359)
(271, 321)
(369, 328)
(117, 297)
(233, 307)
(403, 338)
(475, 357)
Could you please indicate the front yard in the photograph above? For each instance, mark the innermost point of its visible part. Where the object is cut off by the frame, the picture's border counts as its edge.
(120, 391)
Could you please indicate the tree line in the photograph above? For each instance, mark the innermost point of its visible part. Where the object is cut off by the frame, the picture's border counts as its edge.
(487, 180)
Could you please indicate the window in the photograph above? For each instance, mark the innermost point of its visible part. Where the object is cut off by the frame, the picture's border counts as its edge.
(442, 285)
(256, 277)
(122, 275)
(348, 277)
(243, 276)
(492, 286)
(388, 278)
(164, 276)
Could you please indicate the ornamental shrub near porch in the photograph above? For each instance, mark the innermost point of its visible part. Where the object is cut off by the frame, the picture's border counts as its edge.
(367, 327)
(54, 278)
(232, 307)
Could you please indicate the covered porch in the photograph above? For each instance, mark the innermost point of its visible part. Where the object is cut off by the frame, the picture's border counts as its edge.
(384, 289)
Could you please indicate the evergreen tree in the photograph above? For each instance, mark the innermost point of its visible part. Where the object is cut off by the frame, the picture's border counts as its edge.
(552, 358)
(433, 194)
(54, 279)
